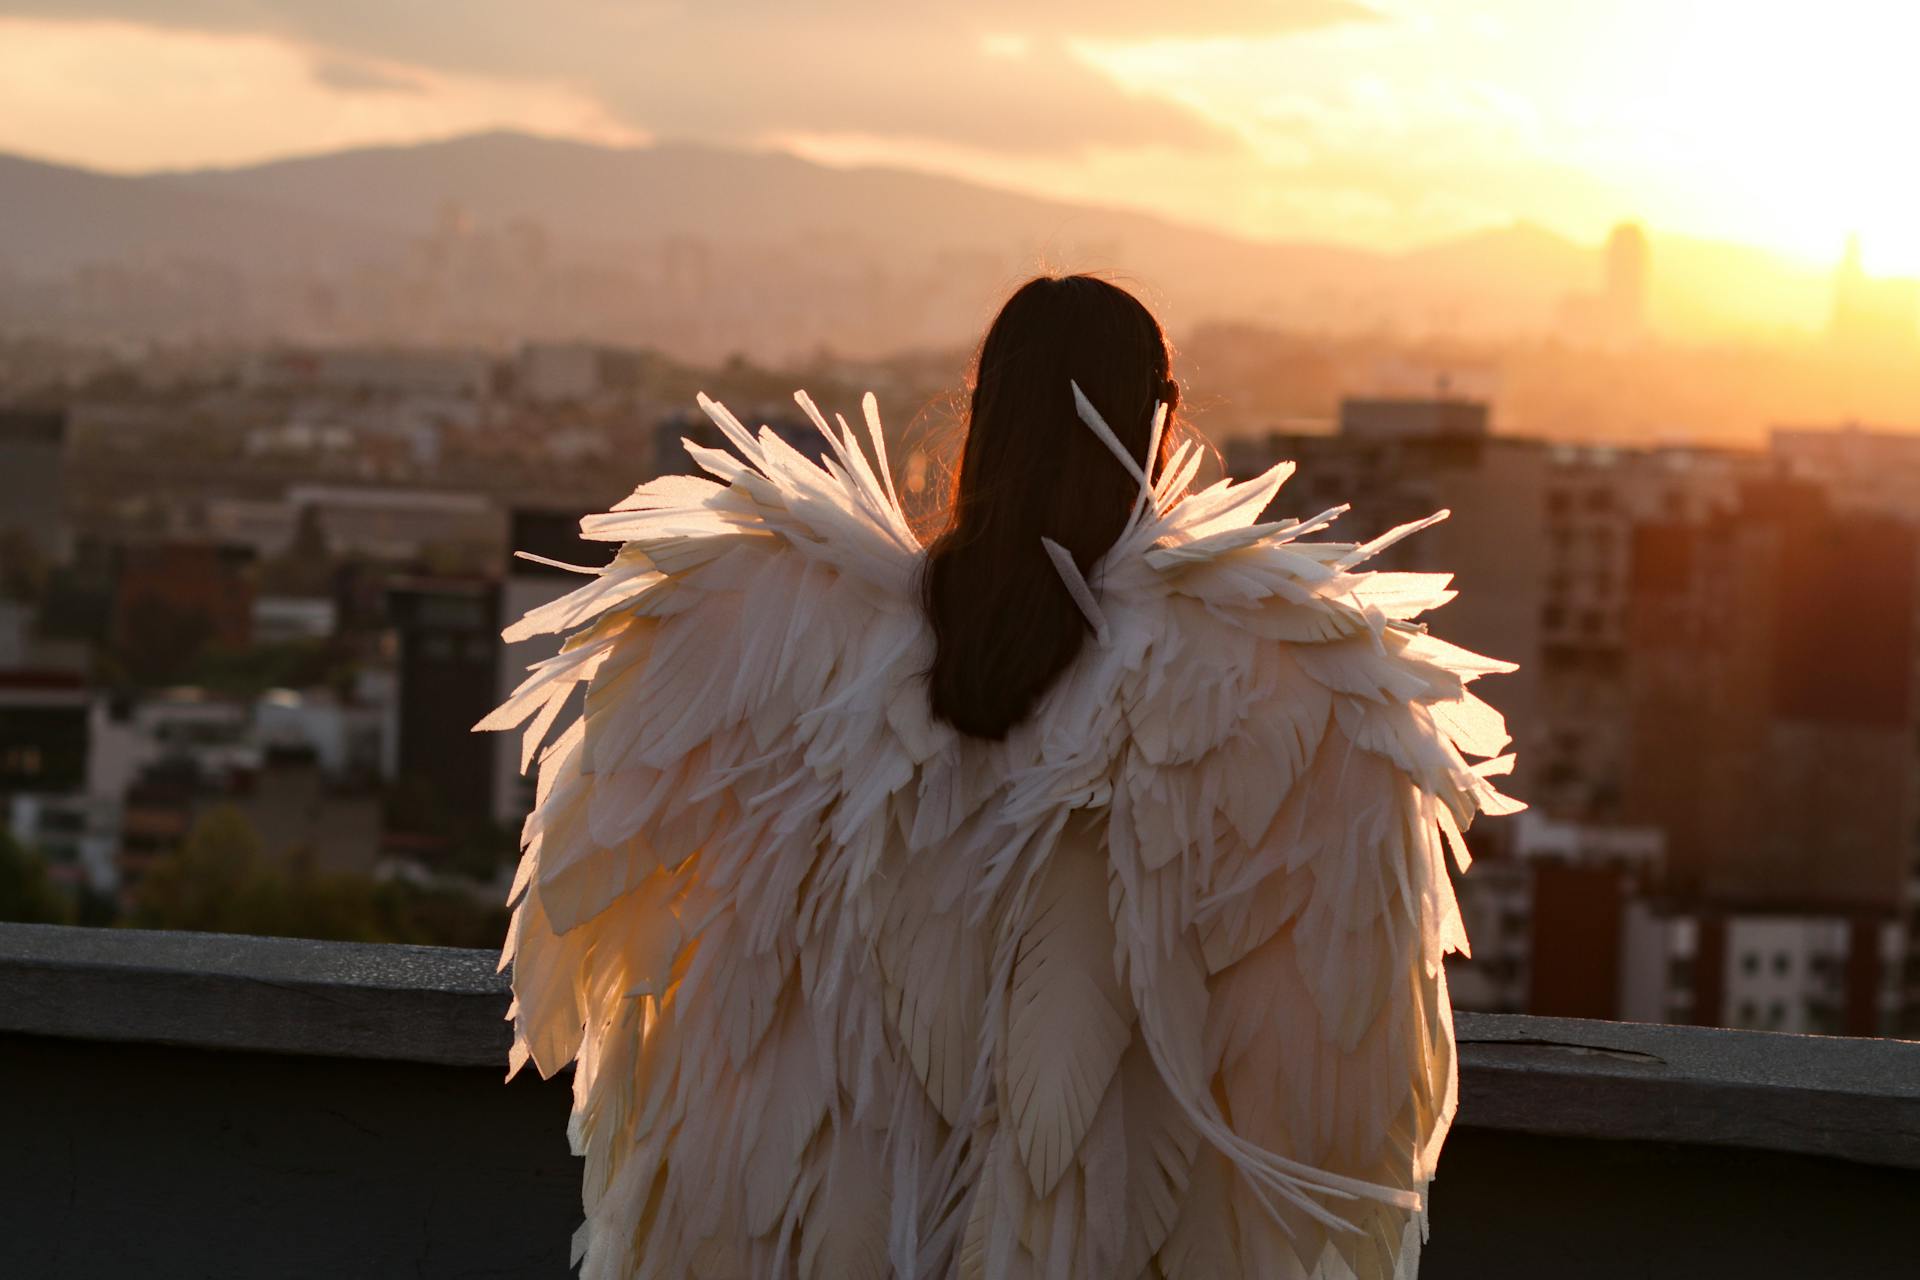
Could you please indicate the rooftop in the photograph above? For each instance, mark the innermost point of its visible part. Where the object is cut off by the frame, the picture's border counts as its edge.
(213, 1105)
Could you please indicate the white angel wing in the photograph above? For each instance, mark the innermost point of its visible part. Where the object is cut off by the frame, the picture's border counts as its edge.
(1282, 903)
(1152, 987)
(694, 887)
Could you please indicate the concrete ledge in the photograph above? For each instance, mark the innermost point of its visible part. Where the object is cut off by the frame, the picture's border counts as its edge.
(1853, 1099)
(433, 1005)
(1856, 1100)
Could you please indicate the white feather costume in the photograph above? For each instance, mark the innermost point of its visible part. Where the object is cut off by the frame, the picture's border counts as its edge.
(1151, 988)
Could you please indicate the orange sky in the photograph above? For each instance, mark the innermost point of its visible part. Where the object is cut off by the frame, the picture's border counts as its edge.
(1389, 124)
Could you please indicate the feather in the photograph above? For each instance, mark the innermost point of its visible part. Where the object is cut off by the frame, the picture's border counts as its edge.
(1067, 1019)
(1078, 589)
(1098, 425)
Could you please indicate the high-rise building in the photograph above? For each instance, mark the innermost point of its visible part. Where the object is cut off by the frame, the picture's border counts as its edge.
(1596, 496)
(1872, 316)
(1772, 699)
(1716, 713)
(448, 667)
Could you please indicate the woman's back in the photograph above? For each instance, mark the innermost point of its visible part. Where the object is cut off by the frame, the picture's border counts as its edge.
(1146, 983)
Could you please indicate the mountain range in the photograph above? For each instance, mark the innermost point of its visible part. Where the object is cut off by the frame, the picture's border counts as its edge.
(705, 251)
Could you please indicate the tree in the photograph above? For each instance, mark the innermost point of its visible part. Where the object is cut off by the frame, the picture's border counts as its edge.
(216, 882)
(27, 896)
(222, 882)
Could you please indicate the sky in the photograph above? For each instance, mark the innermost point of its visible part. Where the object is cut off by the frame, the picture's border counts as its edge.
(1383, 123)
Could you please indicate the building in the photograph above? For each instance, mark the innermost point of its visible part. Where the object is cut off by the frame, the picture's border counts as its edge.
(449, 659)
(1860, 468)
(1872, 317)
(1719, 694)
(1596, 497)
(33, 445)
(382, 370)
(1365, 420)
(1786, 970)
(1545, 914)
(177, 600)
(1772, 700)
(78, 836)
(44, 734)
(1617, 313)
(1400, 460)
(401, 525)
(43, 731)
(344, 739)
(266, 526)
(575, 372)
(284, 619)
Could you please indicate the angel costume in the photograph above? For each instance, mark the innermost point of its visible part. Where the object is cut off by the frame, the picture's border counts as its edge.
(1152, 987)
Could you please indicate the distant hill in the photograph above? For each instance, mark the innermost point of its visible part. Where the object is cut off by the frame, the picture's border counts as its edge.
(703, 250)
(54, 218)
(601, 200)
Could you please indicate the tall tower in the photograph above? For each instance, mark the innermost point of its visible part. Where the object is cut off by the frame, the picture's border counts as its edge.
(1625, 294)
(1872, 316)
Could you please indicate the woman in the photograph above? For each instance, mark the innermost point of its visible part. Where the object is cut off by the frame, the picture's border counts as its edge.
(1063, 898)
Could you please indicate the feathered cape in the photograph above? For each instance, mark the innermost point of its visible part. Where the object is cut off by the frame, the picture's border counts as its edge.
(1151, 988)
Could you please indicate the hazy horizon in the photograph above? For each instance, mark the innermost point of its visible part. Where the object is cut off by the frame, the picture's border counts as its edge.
(1387, 126)
(906, 165)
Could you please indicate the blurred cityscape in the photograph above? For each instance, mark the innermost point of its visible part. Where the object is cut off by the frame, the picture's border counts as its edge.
(253, 573)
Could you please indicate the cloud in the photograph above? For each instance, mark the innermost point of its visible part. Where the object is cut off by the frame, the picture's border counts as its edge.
(685, 68)
(1158, 19)
(357, 75)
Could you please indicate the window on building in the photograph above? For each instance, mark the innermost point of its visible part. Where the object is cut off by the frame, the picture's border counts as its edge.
(1782, 962)
(65, 822)
(1749, 1013)
(1749, 964)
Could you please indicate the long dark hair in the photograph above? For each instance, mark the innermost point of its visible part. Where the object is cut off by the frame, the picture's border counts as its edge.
(1004, 625)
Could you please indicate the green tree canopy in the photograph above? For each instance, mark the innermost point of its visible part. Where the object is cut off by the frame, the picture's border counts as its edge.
(26, 894)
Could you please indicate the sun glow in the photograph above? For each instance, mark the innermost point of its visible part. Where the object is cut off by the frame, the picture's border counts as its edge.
(1769, 124)
(1789, 126)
